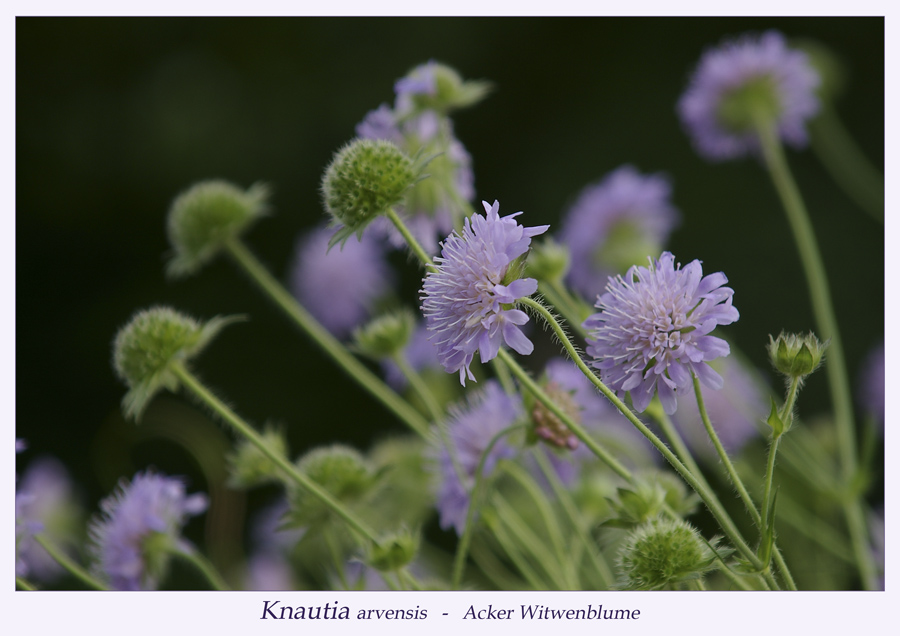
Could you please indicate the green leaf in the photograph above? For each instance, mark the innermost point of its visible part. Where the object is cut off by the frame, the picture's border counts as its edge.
(774, 421)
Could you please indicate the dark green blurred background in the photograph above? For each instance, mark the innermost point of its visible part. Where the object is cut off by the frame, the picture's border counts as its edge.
(117, 116)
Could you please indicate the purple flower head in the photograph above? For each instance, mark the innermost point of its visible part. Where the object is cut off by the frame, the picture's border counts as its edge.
(339, 286)
(471, 427)
(46, 503)
(733, 411)
(469, 301)
(753, 74)
(871, 387)
(140, 523)
(652, 333)
(431, 206)
(614, 224)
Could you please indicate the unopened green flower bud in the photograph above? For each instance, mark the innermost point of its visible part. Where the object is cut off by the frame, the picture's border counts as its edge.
(548, 260)
(438, 87)
(365, 178)
(662, 553)
(647, 497)
(794, 355)
(386, 336)
(339, 469)
(147, 349)
(249, 466)
(394, 551)
(205, 216)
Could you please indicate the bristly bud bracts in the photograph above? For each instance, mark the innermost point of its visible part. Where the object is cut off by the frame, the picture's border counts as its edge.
(796, 356)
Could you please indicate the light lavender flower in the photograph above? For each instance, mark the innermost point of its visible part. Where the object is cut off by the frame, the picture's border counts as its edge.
(471, 427)
(652, 333)
(734, 411)
(871, 386)
(431, 207)
(45, 503)
(463, 301)
(140, 525)
(614, 224)
(339, 287)
(743, 79)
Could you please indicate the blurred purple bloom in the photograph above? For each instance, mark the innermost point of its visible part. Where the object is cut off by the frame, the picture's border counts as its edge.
(151, 506)
(614, 224)
(339, 286)
(871, 387)
(431, 206)
(21, 445)
(761, 63)
(471, 427)
(733, 411)
(463, 301)
(652, 333)
(269, 566)
(45, 502)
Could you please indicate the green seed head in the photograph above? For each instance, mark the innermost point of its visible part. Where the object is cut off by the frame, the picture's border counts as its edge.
(365, 178)
(394, 551)
(205, 216)
(339, 469)
(662, 553)
(146, 350)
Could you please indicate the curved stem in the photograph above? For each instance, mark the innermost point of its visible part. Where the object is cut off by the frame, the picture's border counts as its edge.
(25, 585)
(243, 428)
(204, 566)
(73, 568)
(322, 337)
(836, 368)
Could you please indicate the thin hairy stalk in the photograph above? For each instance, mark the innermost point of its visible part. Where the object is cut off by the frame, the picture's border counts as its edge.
(203, 566)
(551, 291)
(69, 565)
(218, 407)
(836, 367)
(322, 337)
(411, 241)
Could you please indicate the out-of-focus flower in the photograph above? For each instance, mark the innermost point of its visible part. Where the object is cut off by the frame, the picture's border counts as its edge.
(745, 83)
(45, 503)
(871, 386)
(471, 427)
(269, 566)
(339, 287)
(437, 87)
(652, 333)
(615, 224)
(139, 528)
(469, 302)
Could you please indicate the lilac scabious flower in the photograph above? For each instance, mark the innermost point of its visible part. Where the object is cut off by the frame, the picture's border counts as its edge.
(140, 525)
(431, 207)
(45, 503)
(471, 427)
(734, 411)
(469, 301)
(741, 81)
(651, 335)
(614, 224)
(340, 286)
(871, 387)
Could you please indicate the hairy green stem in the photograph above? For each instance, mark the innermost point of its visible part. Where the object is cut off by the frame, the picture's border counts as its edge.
(322, 337)
(411, 241)
(836, 367)
(203, 566)
(70, 566)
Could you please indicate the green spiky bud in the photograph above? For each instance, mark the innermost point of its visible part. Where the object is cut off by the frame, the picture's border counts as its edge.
(339, 469)
(147, 350)
(363, 180)
(249, 466)
(662, 553)
(794, 355)
(205, 216)
(386, 336)
(647, 497)
(394, 551)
